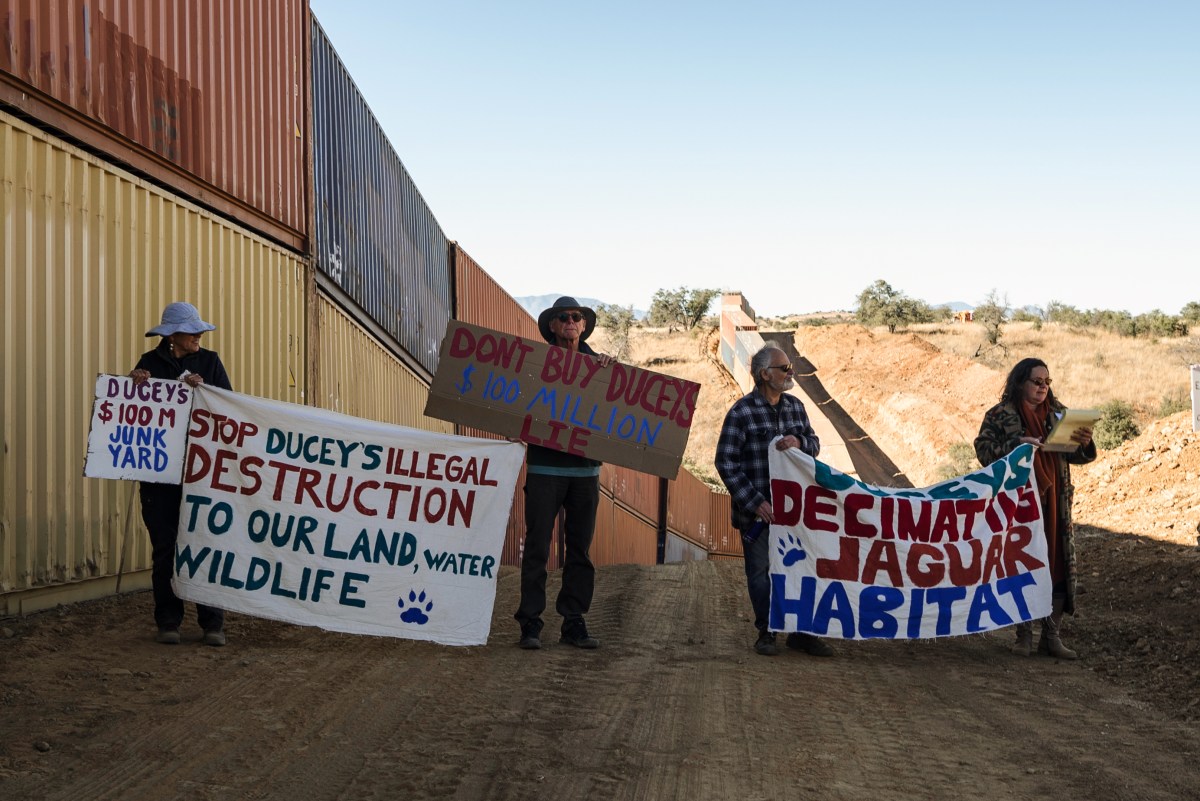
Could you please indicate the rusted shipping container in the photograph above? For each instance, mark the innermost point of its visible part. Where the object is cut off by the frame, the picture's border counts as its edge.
(622, 537)
(725, 538)
(636, 490)
(90, 255)
(375, 237)
(356, 375)
(206, 98)
(689, 511)
(480, 300)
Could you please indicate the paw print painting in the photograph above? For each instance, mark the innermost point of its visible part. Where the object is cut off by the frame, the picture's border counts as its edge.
(792, 551)
(417, 608)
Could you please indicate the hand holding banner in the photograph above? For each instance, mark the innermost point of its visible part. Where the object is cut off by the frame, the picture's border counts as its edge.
(854, 561)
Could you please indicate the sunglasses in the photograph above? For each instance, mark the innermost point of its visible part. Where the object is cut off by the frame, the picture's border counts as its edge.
(572, 316)
(1041, 382)
(786, 368)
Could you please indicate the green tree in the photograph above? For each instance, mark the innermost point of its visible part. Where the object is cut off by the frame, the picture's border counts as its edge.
(1191, 313)
(991, 314)
(1116, 425)
(681, 309)
(618, 323)
(881, 304)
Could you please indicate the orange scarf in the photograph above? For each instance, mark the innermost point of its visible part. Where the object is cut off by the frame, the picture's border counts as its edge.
(1045, 467)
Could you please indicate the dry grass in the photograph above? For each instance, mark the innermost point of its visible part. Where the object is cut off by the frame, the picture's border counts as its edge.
(1089, 367)
(683, 355)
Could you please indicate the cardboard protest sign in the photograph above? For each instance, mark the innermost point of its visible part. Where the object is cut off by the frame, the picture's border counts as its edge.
(316, 518)
(549, 396)
(854, 561)
(139, 431)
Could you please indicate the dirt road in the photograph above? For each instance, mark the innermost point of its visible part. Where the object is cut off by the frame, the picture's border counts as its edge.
(675, 705)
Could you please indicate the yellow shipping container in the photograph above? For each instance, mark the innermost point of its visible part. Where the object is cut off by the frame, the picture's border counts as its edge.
(356, 375)
(89, 256)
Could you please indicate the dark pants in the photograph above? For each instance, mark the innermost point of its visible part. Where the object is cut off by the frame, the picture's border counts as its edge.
(160, 513)
(758, 578)
(578, 497)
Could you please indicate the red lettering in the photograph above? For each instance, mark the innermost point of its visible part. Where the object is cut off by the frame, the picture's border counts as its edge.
(579, 438)
(1028, 509)
(853, 504)
(198, 463)
(814, 506)
(909, 526)
(992, 565)
(965, 574)
(845, 567)
(945, 527)
(968, 509)
(361, 507)
(1019, 538)
(309, 480)
(925, 574)
(882, 556)
(462, 343)
(248, 468)
(220, 467)
(553, 368)
(785, 501)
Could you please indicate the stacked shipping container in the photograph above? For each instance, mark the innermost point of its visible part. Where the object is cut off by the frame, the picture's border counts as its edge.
(212, 115)
(90, 256)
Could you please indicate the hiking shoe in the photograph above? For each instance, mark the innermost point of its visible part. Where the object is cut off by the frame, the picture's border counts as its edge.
(579, 637)
(766, 644)
(530, 640)
(167, 636)
(813, 646)
(214, 638)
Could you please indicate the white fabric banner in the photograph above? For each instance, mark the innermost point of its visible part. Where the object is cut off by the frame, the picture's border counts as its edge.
(316, 518)
(138, 431)
(853, 561)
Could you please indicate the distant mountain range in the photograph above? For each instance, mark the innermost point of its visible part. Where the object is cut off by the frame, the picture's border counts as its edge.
(956, 306)
(534, 304)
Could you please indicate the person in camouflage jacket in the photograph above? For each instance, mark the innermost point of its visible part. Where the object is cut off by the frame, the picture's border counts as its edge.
(1025, 414)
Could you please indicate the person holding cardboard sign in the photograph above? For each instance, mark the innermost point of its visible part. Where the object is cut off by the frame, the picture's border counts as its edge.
(554, 480)
(1025, 414)
(177, 356)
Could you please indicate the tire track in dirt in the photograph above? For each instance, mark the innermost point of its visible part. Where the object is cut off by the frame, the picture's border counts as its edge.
(674, 705)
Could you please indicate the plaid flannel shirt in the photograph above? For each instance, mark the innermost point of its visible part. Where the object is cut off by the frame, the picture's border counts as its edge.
(742, 455)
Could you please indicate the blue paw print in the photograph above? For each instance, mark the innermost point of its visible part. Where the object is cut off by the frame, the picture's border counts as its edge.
(791, 551)
(414, 613)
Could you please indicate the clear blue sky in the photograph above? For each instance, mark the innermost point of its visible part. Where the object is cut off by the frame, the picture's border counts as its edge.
(798, 151)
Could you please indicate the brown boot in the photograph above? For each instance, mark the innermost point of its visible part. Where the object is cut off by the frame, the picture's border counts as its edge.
(1024, 643)
(1051, 643)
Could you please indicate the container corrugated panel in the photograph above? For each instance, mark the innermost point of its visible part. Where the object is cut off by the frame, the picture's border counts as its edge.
(689, 512)
(622, 537)
(637, 490)
(514, 534)
(480, 300)
(356, 375)
(375, 236)
(725, 557)
(89, 256)
(680, 550)
(207, 97)
(727, 355)
(725, 538)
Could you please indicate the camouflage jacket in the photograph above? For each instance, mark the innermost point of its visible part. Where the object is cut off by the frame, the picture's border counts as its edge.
(1000, 432)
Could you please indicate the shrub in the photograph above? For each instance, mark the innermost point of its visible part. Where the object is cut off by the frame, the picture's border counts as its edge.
(962, 460)
(1116, 425)
(1175, 401)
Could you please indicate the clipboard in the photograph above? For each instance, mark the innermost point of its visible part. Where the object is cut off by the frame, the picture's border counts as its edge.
(1059, 439)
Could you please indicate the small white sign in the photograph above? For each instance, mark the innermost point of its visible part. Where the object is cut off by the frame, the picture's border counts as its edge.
(139, 431)
(1196, 397)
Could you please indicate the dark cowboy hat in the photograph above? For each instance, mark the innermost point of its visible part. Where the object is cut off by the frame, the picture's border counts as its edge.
(566, 303)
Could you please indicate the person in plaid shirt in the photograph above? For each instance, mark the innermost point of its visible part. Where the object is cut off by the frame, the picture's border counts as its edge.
(760, 416)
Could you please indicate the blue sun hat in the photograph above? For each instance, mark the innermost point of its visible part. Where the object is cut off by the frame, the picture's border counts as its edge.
(180, 317)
